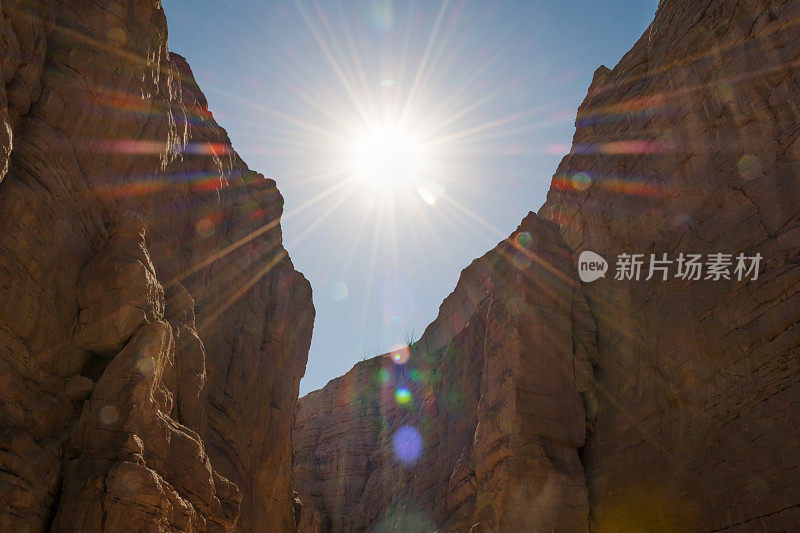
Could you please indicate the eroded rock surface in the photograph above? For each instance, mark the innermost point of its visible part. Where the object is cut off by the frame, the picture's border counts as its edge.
(691, 144)
(688, 389)
(499, 387)
(153, 331)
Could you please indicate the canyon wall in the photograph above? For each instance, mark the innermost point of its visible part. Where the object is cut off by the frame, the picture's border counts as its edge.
(493, 419)
(153, 329)
(537, 402)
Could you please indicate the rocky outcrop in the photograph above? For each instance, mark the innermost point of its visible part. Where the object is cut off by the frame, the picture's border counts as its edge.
(480, 425)
(129, 463)
(691, 146)
(538, 402)
(153, 331)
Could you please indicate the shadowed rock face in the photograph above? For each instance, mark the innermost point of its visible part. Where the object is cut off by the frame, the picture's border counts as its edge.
(498, 385)
(544, 403)
(153, 331)
(696, 379)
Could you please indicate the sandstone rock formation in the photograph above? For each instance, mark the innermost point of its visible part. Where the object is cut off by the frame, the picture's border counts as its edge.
(542, 403)
(498, 386)
(153, 331)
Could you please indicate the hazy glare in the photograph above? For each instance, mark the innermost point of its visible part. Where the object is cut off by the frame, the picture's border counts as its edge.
(485, 96)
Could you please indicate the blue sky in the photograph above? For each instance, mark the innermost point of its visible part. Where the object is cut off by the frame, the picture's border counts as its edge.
(486, 91)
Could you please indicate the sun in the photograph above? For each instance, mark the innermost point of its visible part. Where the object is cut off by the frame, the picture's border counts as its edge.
(390, 158)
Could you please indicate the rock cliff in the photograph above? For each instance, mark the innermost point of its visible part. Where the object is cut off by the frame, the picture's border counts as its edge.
(482, 421)
(153, 331)
(537, 402)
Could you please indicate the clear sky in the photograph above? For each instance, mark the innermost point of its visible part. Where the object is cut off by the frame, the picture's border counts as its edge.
(407, 138)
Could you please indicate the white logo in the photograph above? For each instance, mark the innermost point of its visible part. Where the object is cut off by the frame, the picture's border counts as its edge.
(591, 266)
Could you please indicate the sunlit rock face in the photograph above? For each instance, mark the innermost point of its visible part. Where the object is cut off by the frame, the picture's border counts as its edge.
(686, 416)
(153, 329)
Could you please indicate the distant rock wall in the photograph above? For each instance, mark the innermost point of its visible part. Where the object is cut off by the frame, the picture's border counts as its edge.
(498, 408)
(153, 331)
(544, 403)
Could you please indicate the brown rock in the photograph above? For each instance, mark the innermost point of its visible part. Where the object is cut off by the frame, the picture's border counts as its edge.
(141, 268)
(117, 290)
(695, 378)
(498, 408)
(78, 388)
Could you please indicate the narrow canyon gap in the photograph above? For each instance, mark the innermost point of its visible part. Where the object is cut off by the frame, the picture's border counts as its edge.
(537, 402)
(153, 330)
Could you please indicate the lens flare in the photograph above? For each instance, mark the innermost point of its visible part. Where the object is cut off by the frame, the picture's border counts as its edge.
(523, 240)
(682, 221)
(749, 166)
(381, 15)
(382, 376)
(109, 415)
(430, 193)
(522, 261)
(581, 181)
(407, 444)
(117, 36)
(131, 481)
(402, 396)
(399, 354)
(426, 195)
(557, 149)
(146, 366)
(205, 227)
(338, 290)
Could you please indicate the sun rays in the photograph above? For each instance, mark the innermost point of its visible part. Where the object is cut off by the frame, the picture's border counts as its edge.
(391, 147)
(395, 140)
